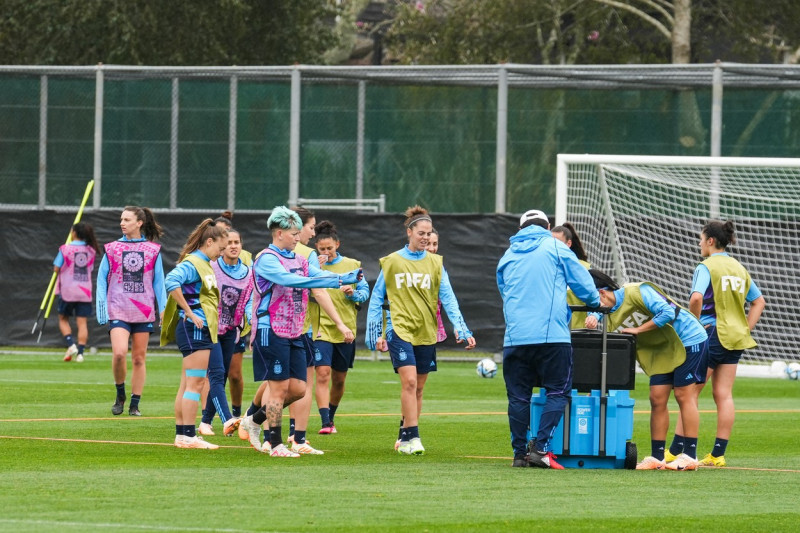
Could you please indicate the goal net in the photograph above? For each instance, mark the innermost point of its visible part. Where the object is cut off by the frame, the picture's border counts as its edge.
(639, 218)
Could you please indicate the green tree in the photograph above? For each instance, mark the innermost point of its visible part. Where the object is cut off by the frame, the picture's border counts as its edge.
(166, 32)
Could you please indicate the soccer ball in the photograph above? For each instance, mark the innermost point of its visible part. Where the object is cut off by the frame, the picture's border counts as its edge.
(486, 368)
(793, 371)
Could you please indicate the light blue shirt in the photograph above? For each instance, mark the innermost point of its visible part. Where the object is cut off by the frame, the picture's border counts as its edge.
(186, 277)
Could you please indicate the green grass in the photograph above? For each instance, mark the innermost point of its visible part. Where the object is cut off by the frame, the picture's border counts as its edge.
(463, 483)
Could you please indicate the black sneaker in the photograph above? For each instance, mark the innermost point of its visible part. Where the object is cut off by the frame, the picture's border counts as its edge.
(118, 407)
(543, 460)
(134, 411)
(520, 461)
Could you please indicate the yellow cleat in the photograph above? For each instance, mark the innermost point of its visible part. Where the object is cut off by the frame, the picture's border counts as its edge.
(710, 460)
(668, 457)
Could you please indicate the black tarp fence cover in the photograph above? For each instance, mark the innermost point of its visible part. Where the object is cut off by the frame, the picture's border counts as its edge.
(471, 245)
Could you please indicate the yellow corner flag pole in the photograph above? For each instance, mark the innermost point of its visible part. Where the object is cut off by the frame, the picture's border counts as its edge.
(50, 293)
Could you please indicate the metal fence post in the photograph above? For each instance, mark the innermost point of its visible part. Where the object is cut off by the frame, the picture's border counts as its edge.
(362, 97)
(294, 138)
(716, 137)
(42, 141)
(173, 145)
(98, 138)
(234, 103)
(502, 137)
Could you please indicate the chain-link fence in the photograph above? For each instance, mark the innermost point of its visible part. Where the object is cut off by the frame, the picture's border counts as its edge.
(456, 139)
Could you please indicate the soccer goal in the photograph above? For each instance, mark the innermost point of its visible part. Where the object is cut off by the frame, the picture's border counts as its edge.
(639, 218)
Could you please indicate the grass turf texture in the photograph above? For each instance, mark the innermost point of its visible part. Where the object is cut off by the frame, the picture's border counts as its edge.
(464, 482)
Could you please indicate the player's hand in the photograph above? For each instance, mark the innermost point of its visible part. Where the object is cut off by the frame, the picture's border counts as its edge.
(360, 274)
(348, 334)
(347, 290)
(470, 343)
(381, 345)
(632, 331)
(322, 258)
(196, 320)
(591, 322)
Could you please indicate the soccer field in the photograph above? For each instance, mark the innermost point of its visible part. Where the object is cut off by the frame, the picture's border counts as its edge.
(68, 465)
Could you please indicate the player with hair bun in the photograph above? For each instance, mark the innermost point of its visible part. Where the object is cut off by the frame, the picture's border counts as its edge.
(566, 233)
(130, 280)
(277, 312)
(411, 282)
(333, 356)
(74, 265)
(720, 289)
(191, 320)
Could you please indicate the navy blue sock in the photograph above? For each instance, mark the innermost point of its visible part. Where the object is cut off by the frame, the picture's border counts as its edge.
(120, 390)
(678, 442)
(719, 447)
(81, 348)
(189, 430)
(135, 401)
(333, 409)
(657, 449)
(291, 427)
(413, 432)
(400, 433)
(179, 429)
(404, 435)
(68, 339)
(260, 416)
(236, 410)
(690, 448)
(275, 437)
(252, 409)
(325, 415)
(299, 436)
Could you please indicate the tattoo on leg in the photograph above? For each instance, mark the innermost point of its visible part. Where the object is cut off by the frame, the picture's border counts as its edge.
(274, 413)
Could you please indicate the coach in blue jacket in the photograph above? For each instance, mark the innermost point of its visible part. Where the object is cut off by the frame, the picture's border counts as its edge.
(533, 276)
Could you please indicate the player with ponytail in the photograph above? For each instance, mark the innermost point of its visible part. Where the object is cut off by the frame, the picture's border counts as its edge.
(130, 280)
(411, 282)
(191, 320)
(74, 265)
(720, 290)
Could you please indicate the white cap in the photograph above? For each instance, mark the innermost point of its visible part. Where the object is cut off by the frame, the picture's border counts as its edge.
(533, 214)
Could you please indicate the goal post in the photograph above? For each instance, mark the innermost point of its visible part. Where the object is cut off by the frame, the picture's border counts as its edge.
(639, 218)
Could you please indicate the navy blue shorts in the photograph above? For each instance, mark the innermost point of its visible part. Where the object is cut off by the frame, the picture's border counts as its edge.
(718, 354)
(278, 359)
(131, 327)
(74, 308)
(311, 350)
(228, 346)
(190, 338)
(339, 356)
(691, 372)
(548, 365)
(405, 354)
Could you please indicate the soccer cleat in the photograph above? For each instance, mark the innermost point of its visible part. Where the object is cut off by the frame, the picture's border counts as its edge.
(327, 429)
(266, 447)
(651, 463)
(397, 444)
(197, 442)
(305, 449)
(282, 451)
(230, 426)
(683, 462)
(72, 350)
(134, 411)
(543, 460)
(205, 429)
(668, 457)
(253, 431)
(243, 434)
(290, 440)
(179, 441)
(710, 460)
(119, 406)
(411, 447)
(79, 358)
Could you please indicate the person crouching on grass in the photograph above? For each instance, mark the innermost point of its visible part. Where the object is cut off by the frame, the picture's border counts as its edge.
(278, 310)
(190, 319)
(672, 348)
